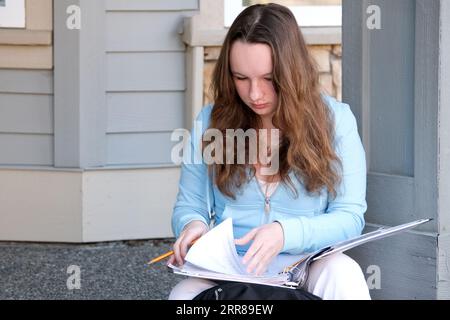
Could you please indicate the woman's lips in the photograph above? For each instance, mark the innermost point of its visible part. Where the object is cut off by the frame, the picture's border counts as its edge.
(260, 106)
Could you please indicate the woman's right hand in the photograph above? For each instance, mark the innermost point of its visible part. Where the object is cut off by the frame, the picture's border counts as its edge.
(192, 231)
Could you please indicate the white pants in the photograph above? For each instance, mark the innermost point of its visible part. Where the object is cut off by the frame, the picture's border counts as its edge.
(336, 277)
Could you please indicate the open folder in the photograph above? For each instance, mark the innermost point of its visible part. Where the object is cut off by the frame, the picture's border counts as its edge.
(214, 257)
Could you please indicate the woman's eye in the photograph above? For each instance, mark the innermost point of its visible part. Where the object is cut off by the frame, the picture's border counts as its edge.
(243, 78)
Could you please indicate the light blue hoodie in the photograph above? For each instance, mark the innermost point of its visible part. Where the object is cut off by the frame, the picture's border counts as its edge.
(309, 222)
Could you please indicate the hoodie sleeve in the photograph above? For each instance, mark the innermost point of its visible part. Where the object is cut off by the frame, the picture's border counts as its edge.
(344, 216)
(191, 201)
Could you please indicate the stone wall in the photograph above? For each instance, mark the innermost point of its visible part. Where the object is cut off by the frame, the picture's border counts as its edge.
(328, 58)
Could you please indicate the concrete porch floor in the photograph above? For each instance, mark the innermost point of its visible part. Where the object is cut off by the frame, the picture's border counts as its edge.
(108, 270)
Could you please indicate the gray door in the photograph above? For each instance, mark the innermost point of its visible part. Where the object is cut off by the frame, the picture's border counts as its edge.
(390, 81)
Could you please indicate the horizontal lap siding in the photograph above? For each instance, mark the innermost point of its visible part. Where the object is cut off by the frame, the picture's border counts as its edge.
(26, 81)
(144, 111)
(26, 117)
(145, 79)
(145, 71)
(26, 149)
(139, 148)
(144, 31)
(26, 113)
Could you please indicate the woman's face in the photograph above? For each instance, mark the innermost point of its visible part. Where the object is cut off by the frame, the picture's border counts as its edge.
(251, 67)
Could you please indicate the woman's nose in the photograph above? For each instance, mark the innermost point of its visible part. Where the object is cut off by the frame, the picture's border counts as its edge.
(255, 92)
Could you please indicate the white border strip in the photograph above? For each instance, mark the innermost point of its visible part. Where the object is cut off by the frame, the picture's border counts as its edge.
(307, 16)
(12, 15)
(318, 16)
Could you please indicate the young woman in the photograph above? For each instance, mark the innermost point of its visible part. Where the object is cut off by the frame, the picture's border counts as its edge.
(265, 79)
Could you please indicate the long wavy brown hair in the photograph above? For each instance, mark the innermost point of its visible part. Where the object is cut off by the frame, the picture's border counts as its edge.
(304, 120)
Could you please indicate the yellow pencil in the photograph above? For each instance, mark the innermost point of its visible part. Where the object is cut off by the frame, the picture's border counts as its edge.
(165, 255)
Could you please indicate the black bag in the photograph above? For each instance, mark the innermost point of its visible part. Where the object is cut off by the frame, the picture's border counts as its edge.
(250, 291)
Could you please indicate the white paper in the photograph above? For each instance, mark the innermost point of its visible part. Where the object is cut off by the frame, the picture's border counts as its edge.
(215, 251)
(214, 256)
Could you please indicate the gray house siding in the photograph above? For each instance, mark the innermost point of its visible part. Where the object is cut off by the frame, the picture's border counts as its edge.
(26, 122)
(145, 79)
(144, 85)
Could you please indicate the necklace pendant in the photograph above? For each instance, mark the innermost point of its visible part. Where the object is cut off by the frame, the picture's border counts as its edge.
(267, 205)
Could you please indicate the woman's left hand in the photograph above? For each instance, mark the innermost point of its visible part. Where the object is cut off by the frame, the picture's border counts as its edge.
(268, 240)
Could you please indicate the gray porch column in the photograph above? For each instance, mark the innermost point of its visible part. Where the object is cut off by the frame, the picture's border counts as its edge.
(79, 84)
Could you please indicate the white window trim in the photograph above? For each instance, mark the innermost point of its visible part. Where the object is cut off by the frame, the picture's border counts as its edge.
(308, 16)
(12, 15)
